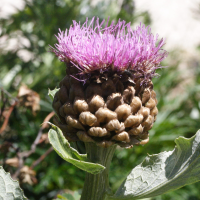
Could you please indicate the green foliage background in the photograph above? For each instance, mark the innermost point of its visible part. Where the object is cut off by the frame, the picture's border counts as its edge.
(38, 22)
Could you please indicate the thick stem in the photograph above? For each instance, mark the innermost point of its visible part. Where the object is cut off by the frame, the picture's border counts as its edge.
(97, 186)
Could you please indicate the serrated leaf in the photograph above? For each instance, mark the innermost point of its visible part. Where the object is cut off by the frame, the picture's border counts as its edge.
(71, 155)
(163, 172)
(52, 93)
(9, 189)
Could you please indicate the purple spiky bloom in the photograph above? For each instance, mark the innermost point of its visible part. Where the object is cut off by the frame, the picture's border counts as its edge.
(110, 48)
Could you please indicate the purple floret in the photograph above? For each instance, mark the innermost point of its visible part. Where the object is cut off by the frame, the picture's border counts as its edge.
(92, 47)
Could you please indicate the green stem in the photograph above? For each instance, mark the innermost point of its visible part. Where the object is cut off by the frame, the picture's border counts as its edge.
(96, 186)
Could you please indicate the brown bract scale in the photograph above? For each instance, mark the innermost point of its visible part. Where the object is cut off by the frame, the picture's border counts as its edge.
(95, 102)
(113, 125)
(92, 90)
(98, 132)
(123, 111)
(136, 130)
(123, 136)
(68, 131)
(150, 104)
(75, 91)
(80, 105)
(122, 128)
(133, 120)
(104, 115)
(146, 95)
(84, 137)
(108, 87)
(68, 109)
(128, 94)
(114, 100)
(144, 111)
(105, 143)
(73, 122)
(63, 94)
(87, 118)
(135, 104)
(108, 108)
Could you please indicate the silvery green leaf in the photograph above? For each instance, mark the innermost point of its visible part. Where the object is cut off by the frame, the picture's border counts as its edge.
(163, 172)
(76, 196)
(9, 189)
(60, 197)
(52, 93)
(71, 155)
(66, 196)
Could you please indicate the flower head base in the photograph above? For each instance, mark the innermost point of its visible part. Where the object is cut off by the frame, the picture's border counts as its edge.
(117, 48)
(115, 103)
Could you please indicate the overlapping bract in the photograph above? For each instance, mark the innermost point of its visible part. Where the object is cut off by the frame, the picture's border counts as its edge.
(112, 111)
(117, 47)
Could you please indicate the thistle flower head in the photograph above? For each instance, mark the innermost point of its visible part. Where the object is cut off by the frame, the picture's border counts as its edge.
(99, 47)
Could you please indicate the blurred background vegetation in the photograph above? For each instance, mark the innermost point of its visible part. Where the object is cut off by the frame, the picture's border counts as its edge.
(25, 60)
